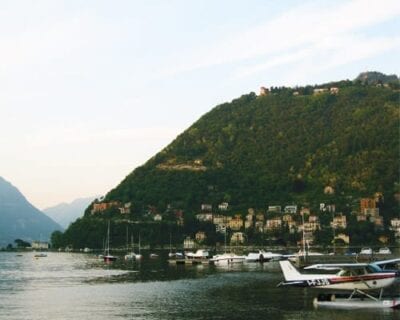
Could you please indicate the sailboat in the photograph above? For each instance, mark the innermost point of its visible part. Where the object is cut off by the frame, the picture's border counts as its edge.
(227, 258)
(108, 257)
(171, 255)
(138, 256)
(131, 255)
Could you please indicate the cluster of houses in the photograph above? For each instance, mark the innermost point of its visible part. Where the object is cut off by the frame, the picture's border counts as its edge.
(276, 218)
(100, 207)
(316, 91)
(289, 218)
(294, 220)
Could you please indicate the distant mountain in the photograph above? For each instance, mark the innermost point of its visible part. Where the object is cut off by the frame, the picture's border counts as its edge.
(65, 213)
(20, 219)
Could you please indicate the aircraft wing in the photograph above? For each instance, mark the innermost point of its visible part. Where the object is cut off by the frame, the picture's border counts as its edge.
(383, 263)
(336, 266)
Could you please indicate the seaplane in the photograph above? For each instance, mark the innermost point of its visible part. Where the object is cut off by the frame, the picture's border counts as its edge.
(355, 278)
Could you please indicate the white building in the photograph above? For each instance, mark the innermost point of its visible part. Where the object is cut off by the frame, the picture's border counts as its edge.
(40, 245)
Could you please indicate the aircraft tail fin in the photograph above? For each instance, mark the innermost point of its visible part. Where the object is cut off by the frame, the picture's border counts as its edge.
(289, 271)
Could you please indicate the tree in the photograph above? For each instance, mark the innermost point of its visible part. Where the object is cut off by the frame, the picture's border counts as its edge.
(57, 239)
(21, 243)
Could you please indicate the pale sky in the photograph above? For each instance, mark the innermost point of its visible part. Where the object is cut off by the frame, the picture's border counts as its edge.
(89, 90)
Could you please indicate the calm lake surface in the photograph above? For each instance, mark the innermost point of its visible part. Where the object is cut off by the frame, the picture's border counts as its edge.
(79, 286)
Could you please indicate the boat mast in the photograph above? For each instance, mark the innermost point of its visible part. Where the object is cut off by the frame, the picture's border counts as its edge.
(170, 243)
(127, 239)
(225, 240)
(304, 238)
(108, 238)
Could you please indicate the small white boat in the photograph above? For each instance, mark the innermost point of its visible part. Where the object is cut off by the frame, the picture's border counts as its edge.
(384, 250)
(366, 251)
(130, 256)
(261, 256)
(176, 255)
(153, 255)
(40, 255)
(227, 259)
(200, 254)
(294, 257)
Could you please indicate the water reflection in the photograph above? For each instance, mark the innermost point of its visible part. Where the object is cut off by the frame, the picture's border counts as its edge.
(73, 286)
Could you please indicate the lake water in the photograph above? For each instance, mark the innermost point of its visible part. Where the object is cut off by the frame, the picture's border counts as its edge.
(79, 286)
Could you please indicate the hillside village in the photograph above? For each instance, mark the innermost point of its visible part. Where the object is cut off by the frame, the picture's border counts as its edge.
(323, 226)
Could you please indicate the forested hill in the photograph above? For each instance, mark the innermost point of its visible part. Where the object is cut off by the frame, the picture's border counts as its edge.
(283, 147)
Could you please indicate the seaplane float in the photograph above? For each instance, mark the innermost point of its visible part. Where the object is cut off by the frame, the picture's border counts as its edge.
(355, 283)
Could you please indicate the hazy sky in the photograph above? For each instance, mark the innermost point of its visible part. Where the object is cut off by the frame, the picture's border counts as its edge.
(89, 90)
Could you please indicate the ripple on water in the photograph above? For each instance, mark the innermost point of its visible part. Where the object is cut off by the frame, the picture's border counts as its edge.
(77, 286)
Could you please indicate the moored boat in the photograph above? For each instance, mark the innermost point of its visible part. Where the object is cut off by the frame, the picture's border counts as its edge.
(200, 254)
(108, 257)
(263, 256)
(227, 259)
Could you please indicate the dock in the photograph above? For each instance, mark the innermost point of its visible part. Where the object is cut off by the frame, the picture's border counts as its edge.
(184, 261)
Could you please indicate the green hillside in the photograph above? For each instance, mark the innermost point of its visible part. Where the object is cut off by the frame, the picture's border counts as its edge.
(278, 148)
(287, 147)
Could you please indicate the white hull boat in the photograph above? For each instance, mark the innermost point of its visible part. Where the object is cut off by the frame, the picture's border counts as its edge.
(262, 256)
(227, 259)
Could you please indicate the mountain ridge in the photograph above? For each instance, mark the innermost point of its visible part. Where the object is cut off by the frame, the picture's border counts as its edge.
(19, 219)
(67, 212)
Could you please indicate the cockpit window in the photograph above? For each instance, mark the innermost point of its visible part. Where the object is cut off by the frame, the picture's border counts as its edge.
(372, 269)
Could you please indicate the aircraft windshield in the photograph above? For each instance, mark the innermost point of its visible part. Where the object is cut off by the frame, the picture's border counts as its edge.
(373, 269)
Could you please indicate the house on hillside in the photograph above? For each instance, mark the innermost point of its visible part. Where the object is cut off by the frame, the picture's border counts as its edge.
(206, 207)
(276, 209)
(237, 238)
(334, 90)
(367, 203)
(200, 236)
(223, 206)
(188, 243)
(236, 223)
(319, 91)
(273, 224)
(291, 209)
(103, 206)
(204, 217)
(339, 222)
(126, 208)
(395, 226)
(263, 91)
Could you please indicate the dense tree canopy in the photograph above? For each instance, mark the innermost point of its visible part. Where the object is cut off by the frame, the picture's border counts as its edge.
(285, 147)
